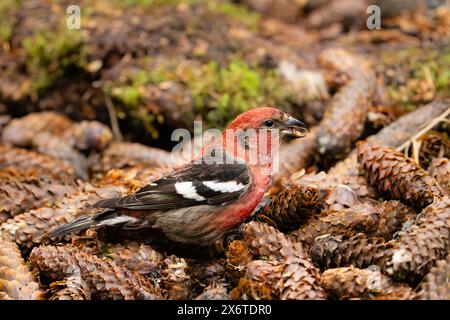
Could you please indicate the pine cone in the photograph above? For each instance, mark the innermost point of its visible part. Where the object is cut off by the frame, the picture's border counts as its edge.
(24, 190)
(436, 284)
(27, 228)
(393, 214)
(176, 281)
(290, 207)
(440, 170)
(126, 154)
(58, 148)
(300, 276)
(47, 167)
(351, 282)
(419, 247)
(137, 257)
(359, 218)
(71, 288)
(337, 251)
(238, 256)
(394, 134)
(343, 121)
(250, 290)
(214, 293)
(89, 136)
(20, 132)
(16, 281)
(104, 278)
(433, 145)
(338, 191)
(400, 177)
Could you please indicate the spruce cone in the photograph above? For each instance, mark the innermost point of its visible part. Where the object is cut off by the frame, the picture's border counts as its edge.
(440, 170)
(343, 121)
(393, 135)
(24, 190)
(58, 148)
(238, 256)
(21, 132)
(290, 207)
(338, 191)
(45, 166)
(126, 154)
(214, 293)
(436, 284)
(336, 251)
(419, 247)
(104, 278)
(176, 282)
(250, 290)
(71, 288)
(393, 214)
(433, 145)
(300, 277)
(351, 282)
(350, 221)
(27, 228)
(391, 172)
(16, 281)
(137, 257)
(89, 136)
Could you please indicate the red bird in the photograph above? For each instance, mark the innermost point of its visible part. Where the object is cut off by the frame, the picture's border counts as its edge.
(197, 203)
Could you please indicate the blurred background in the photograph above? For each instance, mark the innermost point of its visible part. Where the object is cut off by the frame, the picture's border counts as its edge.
(146, 67)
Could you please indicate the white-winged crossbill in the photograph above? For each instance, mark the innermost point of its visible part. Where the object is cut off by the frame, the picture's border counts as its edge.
(198, 202)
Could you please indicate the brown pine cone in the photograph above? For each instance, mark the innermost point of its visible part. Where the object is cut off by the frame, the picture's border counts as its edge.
(337, 251)
(20, 132)
(214, 293)
(290, 207)
(21, 190)
(436, 284)
(137, 257)
(301, 278)
(46, 166)
(338, 191)
(71, 288)
(250, 290)
(393, 214)
(351, 282)
(419, 247)
(126, 154)
(89, 136)
(440, 170)
(344, 118)
(27, 228)
(16, 281)
(359, 218)
(105, 279)
(433, 144)
(58, 148)
(394, 134)
(176, 282)
(391, 172)
(238, 256)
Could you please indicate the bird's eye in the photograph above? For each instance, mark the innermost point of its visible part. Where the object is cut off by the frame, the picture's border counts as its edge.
(268, 123)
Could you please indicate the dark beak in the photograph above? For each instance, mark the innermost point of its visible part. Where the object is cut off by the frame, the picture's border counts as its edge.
(293, 128)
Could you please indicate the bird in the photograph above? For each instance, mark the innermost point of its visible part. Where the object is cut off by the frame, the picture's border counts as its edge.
(198, 202)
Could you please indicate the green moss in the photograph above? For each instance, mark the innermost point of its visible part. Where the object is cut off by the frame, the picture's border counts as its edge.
(219, 93)
(414, 67)
(50, 54)
(8, 8)
(236, 12)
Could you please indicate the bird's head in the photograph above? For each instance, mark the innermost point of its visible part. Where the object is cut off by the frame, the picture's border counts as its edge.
(257, 132)
(270, 119)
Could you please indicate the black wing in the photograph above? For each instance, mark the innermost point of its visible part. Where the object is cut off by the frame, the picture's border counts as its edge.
(191, 185)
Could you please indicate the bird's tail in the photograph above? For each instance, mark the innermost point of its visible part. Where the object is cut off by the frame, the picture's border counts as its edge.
(83, 223)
